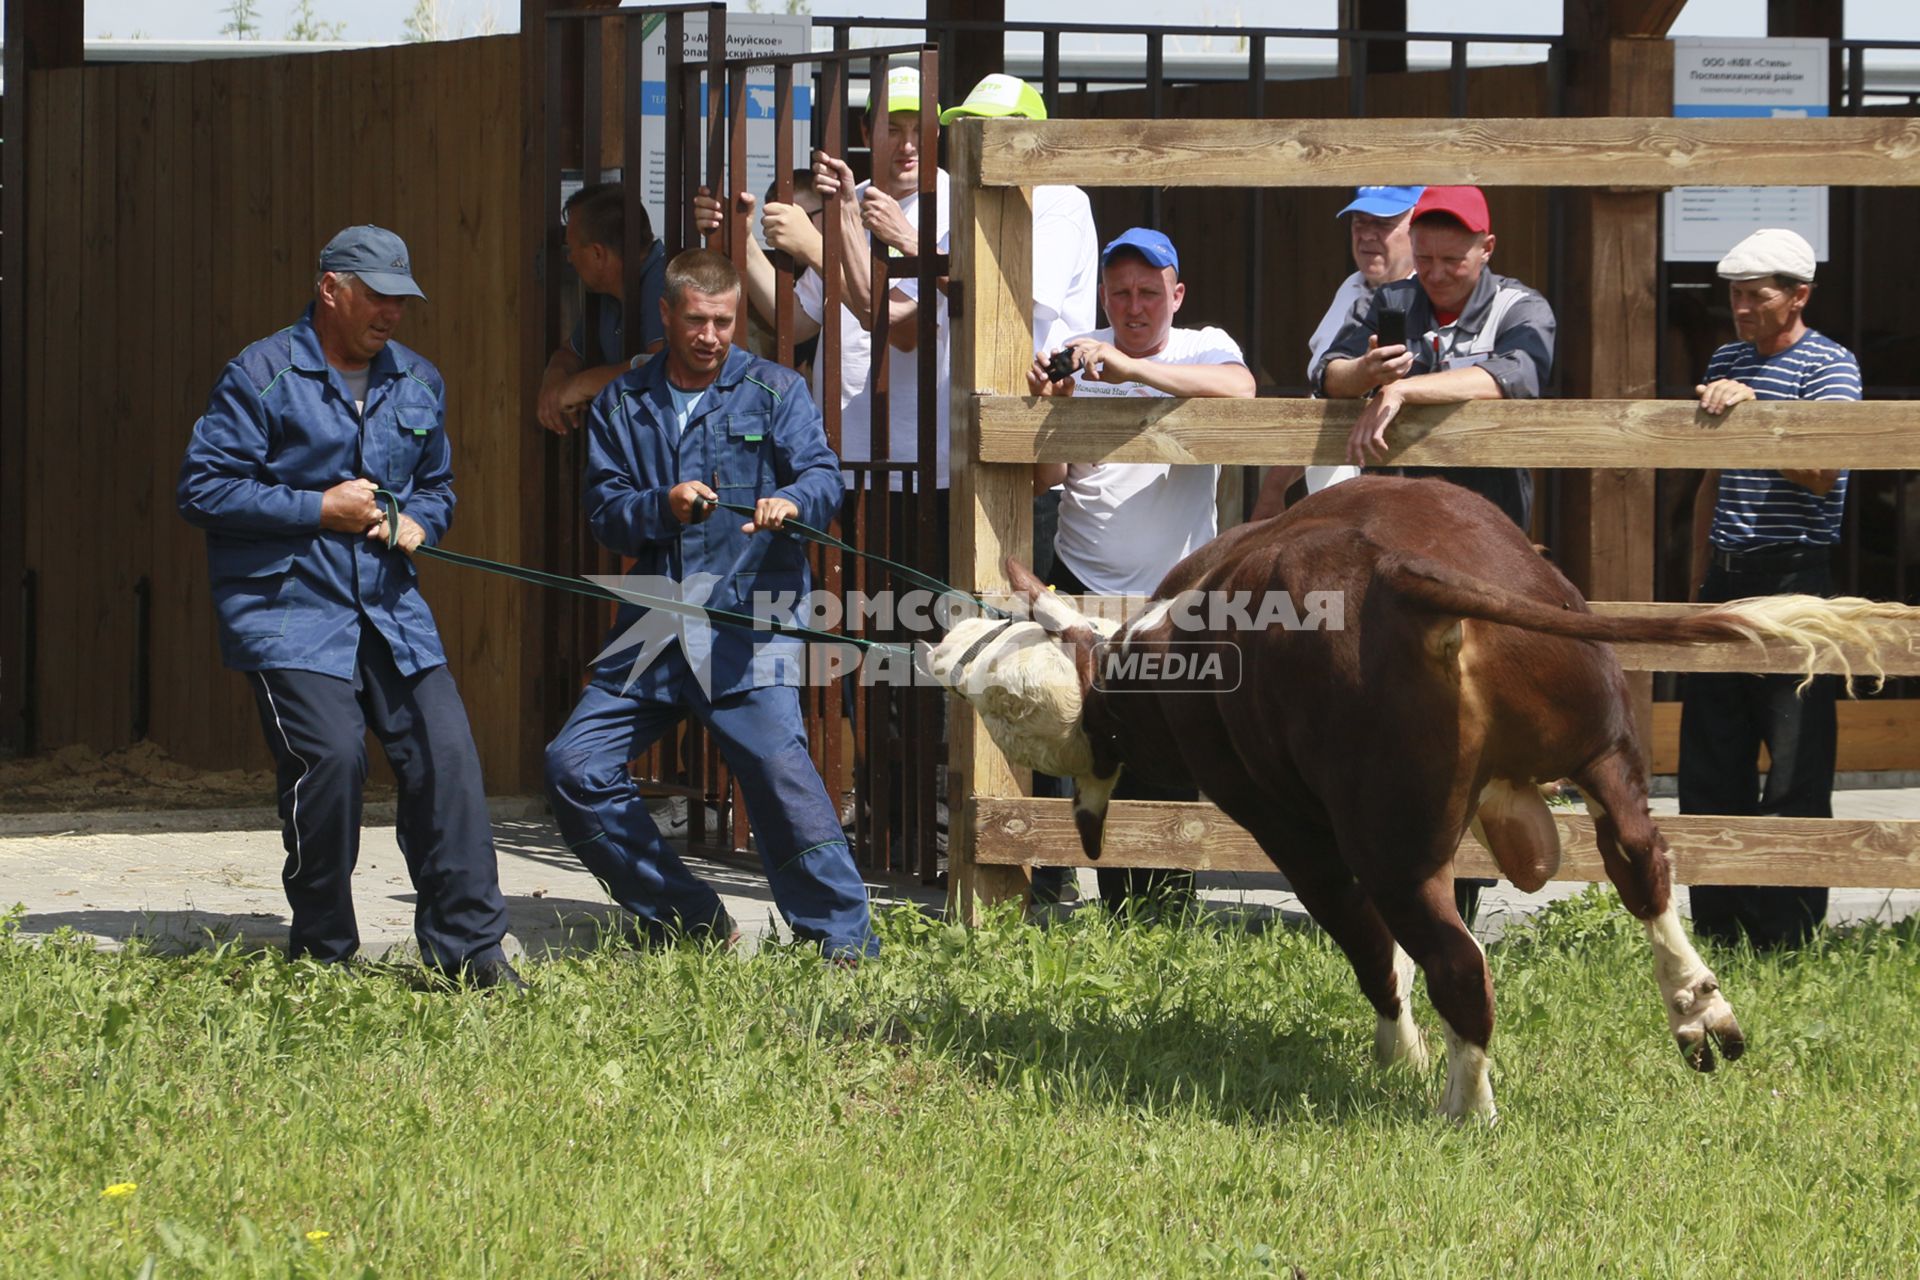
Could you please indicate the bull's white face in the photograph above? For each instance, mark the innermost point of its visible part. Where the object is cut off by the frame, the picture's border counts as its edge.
(1025, 685)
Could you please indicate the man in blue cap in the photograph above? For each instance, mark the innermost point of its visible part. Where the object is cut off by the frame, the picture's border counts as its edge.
(1124, 525)
(319, 466)
(1377, 227)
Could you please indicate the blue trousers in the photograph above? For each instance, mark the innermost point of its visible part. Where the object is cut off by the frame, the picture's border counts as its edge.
(316, 726)
(763, 738)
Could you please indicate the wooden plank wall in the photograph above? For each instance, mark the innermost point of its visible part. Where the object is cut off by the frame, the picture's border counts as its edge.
(176, 215)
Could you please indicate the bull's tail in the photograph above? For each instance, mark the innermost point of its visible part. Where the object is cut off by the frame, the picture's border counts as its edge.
(1831, 634)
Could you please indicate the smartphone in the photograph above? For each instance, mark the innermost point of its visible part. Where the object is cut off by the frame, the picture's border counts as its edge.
(1393, 328)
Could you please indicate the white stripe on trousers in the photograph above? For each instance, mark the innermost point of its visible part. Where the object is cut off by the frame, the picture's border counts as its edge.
(305, 769)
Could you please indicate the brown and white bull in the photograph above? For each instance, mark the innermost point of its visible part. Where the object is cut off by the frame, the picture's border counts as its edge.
(1464, 675)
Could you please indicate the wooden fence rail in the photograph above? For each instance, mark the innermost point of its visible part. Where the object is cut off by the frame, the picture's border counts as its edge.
(1624, 151)
(1000, 433)
(1019, 831)
(1546, 433)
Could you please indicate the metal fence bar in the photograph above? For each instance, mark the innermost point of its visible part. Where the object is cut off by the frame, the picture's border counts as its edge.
(633, 161)
(1156, 108)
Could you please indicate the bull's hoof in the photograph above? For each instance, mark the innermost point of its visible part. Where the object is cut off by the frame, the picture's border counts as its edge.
(1703, 1022)
(1397, 1042)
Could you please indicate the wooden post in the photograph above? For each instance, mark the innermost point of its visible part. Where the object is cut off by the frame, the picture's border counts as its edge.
(1382, 56)
(1610, 338)
(992, 345)
(40, 35)
(966, 56)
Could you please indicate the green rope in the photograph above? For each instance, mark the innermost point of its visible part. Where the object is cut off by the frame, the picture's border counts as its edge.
(826, 539)
(664, 604)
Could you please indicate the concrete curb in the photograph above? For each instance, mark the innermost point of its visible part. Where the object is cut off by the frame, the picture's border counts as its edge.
(121, 822)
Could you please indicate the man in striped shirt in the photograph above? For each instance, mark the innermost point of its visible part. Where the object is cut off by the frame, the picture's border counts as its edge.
(1764, 533)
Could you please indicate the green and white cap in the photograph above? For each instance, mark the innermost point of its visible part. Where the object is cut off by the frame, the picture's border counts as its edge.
(999, 95)
(903, 89)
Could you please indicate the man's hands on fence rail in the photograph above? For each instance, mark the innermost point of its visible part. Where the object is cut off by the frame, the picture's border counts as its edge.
(1718, 397)
(834, 181)
(1367, 445)
(883, 217)
(709, 214)
(790, 229)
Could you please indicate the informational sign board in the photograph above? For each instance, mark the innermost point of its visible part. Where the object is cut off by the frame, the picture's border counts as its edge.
(1752, 79)
(748, 35)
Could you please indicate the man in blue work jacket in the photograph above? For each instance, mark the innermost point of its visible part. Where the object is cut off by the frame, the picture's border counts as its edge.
(710, 421)
(310, 439)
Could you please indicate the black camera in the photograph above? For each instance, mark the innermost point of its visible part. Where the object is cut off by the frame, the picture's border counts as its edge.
(1064, 365)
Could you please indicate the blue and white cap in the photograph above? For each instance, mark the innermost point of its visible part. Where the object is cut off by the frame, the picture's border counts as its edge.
(1382, 202)
(1148, 243)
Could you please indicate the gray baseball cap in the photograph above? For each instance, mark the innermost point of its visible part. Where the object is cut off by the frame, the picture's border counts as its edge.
(375, 255)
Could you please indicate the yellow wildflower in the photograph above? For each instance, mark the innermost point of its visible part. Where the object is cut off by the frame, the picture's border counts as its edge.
(315, 1237)
(119, 1189)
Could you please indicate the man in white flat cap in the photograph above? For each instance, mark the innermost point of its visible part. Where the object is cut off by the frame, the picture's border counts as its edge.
(1761, 533)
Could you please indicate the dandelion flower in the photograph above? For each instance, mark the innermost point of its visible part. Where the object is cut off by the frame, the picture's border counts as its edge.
(315, 1237)
(119, 1189)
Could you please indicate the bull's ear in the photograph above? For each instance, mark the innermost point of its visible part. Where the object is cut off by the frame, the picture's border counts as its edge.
(1091, 796)
(1082, 643)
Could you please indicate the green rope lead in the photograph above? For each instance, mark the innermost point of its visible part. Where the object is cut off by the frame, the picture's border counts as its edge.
(826, 539)
(664, 604)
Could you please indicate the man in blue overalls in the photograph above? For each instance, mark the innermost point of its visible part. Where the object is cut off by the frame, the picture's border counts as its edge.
(307, 434)
(709, 421)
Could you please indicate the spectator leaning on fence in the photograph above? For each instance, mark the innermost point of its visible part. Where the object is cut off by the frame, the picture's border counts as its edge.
(1759, 533)
(1471, 335)
(596, 228)
(1066, 265)
(1124, 525)
(311, 438)
(709, 420)
(1381, 240)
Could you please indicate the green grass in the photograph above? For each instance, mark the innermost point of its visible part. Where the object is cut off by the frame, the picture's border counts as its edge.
(1007, 1102)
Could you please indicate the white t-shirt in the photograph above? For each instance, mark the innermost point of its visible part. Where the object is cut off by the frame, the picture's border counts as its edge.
(1066, 266)
(903, 373)
(1124, 524)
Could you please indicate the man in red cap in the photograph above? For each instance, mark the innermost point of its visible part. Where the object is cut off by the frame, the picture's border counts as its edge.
(1471, 335)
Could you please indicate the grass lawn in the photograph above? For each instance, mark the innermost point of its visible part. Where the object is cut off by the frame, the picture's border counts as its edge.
(1008, 1102)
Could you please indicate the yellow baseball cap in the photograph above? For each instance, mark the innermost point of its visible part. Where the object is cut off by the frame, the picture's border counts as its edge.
(999, 95)
(903, 89)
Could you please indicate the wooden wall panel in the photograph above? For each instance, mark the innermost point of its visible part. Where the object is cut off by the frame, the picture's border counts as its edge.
(178, 211)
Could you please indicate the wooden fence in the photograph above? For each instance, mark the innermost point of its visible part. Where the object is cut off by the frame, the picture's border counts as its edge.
(176, 214)
(1000, 434)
